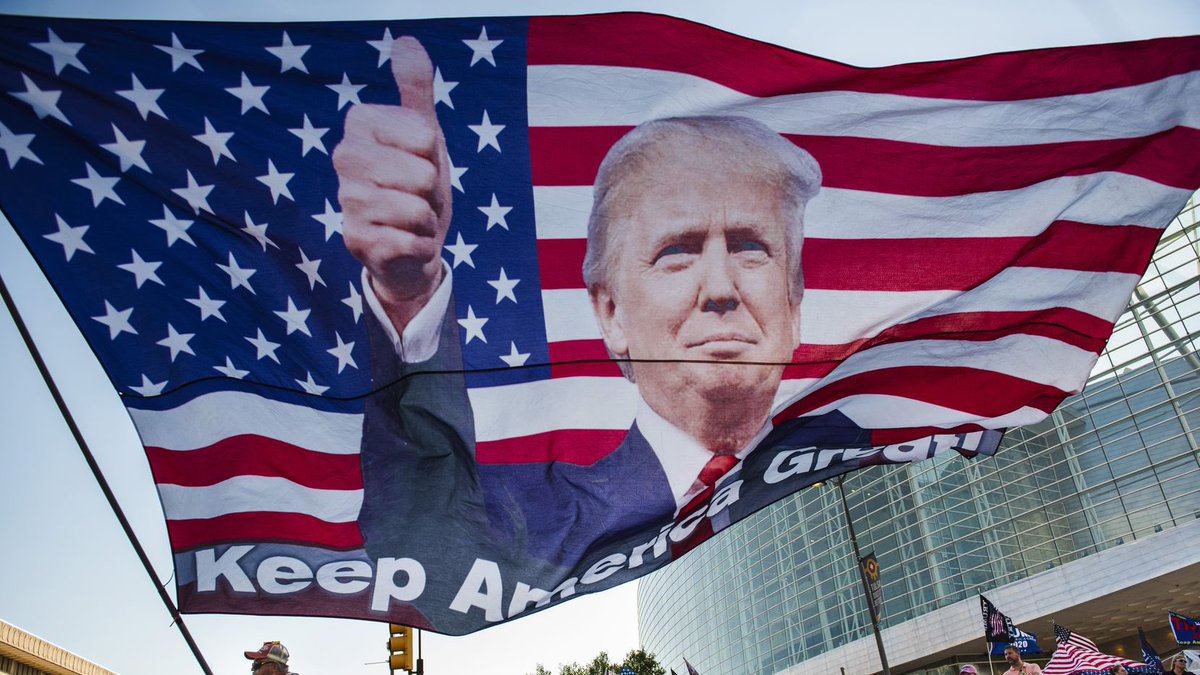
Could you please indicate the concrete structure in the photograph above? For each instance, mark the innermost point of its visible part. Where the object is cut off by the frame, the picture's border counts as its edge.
(1091, 519)
(25, 654)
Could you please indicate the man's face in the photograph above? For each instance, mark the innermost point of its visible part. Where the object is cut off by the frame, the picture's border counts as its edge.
(699, 272)
(1011, 656)
(267, 668)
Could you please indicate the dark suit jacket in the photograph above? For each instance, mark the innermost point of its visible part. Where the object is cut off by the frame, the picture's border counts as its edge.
(423, 487)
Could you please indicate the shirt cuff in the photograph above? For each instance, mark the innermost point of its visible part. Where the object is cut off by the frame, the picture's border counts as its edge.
(419, 342)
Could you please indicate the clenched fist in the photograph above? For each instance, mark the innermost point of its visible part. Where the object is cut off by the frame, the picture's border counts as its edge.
(394, 188)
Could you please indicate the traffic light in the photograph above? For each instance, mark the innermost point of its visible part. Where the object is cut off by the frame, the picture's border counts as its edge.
(401, 647)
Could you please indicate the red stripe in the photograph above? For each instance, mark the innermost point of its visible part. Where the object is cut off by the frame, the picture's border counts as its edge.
(250, 455)
(980, 393)
(1067, 245)
(260, 527)
(581, 358)
(960, 264)
(924, 264)
(761, 69)
(570, 156)
(1067, 325)
(566, 156)
(571, 446)
(589, 358)
(560, 262)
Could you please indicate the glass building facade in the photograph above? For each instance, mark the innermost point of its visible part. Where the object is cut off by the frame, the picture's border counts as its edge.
(1112, 465)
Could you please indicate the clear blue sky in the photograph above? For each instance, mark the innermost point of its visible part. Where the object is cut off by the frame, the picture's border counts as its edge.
(66, 572)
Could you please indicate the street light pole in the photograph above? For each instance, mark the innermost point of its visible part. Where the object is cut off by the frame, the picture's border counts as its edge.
(863, 577)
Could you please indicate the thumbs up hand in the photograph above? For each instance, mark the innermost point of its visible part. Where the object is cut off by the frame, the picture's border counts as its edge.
(394, 188)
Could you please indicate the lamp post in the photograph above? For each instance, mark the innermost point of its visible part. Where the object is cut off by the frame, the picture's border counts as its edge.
(862, 577)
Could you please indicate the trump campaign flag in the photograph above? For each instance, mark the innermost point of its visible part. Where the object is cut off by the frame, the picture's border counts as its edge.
(1024, 643)
(1000, 631)
(1185, 630)
(1149, 653)
(997, 627)
(444, 322)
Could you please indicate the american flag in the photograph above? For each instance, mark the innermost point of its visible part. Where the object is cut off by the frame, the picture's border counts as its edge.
(981, 226)
(1070, 659)
(1065, 636)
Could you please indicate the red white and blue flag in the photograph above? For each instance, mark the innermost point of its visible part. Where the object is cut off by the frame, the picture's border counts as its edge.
(1071, 660)
(1077, 655)
(1185, 630)
(981, 224)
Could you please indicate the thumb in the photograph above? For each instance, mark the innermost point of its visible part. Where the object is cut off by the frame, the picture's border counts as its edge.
(414, 76)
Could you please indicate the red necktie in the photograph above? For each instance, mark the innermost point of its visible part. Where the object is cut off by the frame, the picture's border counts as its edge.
(713, 471)
(718, 466)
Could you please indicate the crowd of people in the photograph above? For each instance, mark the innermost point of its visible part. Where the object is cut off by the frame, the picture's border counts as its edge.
(1176, 665)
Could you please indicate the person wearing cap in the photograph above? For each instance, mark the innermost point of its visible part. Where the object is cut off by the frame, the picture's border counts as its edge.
(968, 669)
(270, 659)
(1017, 665)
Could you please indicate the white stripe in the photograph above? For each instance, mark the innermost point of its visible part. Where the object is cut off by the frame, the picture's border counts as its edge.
(562, 212)
(1102, 294)
(874, 411)
(584, 96)
(210, 418)
(569, 315)
(1030, 357)
(1098, 199)
(245, 494)
(838, 317)
(531, 408)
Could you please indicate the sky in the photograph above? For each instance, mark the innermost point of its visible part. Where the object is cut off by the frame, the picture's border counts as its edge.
(67, 573)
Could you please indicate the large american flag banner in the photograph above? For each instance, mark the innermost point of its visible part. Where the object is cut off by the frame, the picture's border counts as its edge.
(980, 225)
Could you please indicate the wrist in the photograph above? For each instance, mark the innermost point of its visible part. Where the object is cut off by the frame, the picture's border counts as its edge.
(400, 302)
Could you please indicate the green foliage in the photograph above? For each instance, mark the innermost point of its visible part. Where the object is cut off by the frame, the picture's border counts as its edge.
(638, 660)
(642, 662)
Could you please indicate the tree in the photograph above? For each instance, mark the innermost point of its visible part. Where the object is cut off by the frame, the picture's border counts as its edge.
(643, 662)
(599, 666)
(638, 660)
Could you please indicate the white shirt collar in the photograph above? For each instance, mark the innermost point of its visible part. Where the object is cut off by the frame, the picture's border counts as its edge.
(681, 456)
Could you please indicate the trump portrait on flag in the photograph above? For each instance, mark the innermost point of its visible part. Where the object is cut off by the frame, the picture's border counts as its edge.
(693, 272)
(444, 344)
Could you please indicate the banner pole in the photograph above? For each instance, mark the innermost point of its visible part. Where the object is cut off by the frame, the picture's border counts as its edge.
(988, 649)
(863, 578)
(95, 468)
